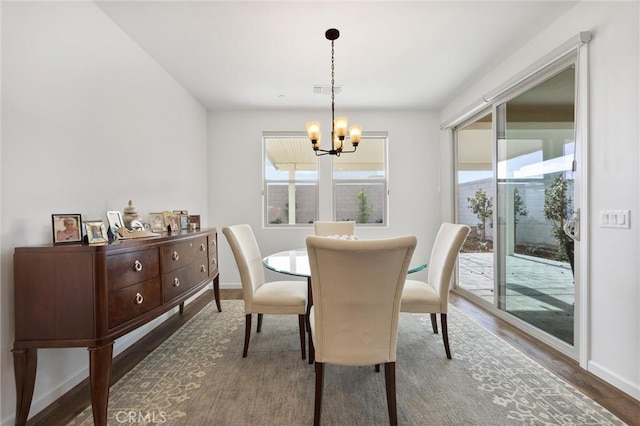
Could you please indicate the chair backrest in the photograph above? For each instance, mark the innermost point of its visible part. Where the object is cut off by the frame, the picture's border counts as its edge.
(326, 228)
(444, 253)
(247, 254)
(357, 288)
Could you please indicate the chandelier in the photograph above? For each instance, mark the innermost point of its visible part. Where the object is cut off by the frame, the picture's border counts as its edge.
(339, 129)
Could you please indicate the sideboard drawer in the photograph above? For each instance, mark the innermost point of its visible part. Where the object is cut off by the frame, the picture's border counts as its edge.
(132, 267)
(175, 256)
(129, 302)
(181, 280)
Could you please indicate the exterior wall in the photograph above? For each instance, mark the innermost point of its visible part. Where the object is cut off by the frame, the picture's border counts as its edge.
(347, 203)
(306, 202)
(532, 229)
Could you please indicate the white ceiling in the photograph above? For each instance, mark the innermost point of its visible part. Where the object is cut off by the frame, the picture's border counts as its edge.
(390, 54)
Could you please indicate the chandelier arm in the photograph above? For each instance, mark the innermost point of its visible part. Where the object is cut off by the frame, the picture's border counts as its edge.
(325, 152)
(347, 152)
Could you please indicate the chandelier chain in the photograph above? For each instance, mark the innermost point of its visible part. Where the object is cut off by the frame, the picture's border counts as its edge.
(333, 96)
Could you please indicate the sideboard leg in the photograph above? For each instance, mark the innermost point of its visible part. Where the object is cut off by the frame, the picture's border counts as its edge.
(100, 359)
(25, 362)
(216, 292)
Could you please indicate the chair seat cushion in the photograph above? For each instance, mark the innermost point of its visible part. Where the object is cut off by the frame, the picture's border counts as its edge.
(418, 296)
(281, 297)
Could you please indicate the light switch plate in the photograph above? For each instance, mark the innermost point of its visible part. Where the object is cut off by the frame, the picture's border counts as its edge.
(615, 219)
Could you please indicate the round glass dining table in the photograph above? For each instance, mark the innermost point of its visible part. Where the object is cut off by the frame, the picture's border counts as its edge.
(296, 262)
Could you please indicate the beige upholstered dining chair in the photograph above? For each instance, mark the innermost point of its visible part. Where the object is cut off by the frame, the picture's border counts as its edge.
(432, 297)
(326, 228)
(260, 297)
(357, 287)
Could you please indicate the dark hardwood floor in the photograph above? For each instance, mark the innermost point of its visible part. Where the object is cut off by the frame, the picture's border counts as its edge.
(622, 405)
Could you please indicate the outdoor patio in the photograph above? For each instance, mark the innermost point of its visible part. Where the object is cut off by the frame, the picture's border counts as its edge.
(539, 291)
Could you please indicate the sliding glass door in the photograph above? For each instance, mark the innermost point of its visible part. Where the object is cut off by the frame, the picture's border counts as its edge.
(515, 184)
(475, 205)
(535, 146)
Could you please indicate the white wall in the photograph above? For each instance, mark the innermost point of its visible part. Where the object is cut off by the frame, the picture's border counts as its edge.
(613, 328)
(235, 177)
(89, 121)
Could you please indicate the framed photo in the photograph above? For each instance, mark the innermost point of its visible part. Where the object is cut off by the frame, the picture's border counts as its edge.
(156, 220)
(115, 221)
(96, 232)
(183, 216)
(194, 221)
(66, 228)
(171, 221)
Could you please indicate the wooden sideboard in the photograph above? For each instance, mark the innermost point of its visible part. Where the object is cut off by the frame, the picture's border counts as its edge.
(80, 295)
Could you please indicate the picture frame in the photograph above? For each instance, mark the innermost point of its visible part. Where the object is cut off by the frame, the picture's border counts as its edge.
(156, 220)
(66, 228)
(194, 221)
(183, 216)
(171, 221)
(96, 232)
(114, 218)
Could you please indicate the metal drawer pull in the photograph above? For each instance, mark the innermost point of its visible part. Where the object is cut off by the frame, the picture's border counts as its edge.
(203, 247)
(214, 261)
(175, 256)
(139, 299)
(213, 243)
(203, 268)
(176, 282)
(137, 266)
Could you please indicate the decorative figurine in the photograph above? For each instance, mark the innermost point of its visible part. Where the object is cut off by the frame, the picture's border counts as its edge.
(130, 215)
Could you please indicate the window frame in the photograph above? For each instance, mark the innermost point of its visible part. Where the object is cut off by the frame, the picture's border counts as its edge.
(324, 182)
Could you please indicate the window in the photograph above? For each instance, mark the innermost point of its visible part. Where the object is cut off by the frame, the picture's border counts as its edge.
(360, 182)
(291, 181)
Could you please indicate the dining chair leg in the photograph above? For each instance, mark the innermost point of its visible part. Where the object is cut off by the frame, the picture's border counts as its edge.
(302, 323)
(390, 380)
(312, 350)
(317, 411)
(247, 335)
(445, 334)
(259, 323)
(434, 323)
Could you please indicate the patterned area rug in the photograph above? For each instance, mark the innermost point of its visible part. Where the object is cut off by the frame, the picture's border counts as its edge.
(198, 377)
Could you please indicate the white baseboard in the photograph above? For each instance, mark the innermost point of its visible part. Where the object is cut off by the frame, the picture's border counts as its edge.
(231, 286)
(621, 383)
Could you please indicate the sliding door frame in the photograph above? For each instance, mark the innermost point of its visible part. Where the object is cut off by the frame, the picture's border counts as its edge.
(578, 57)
